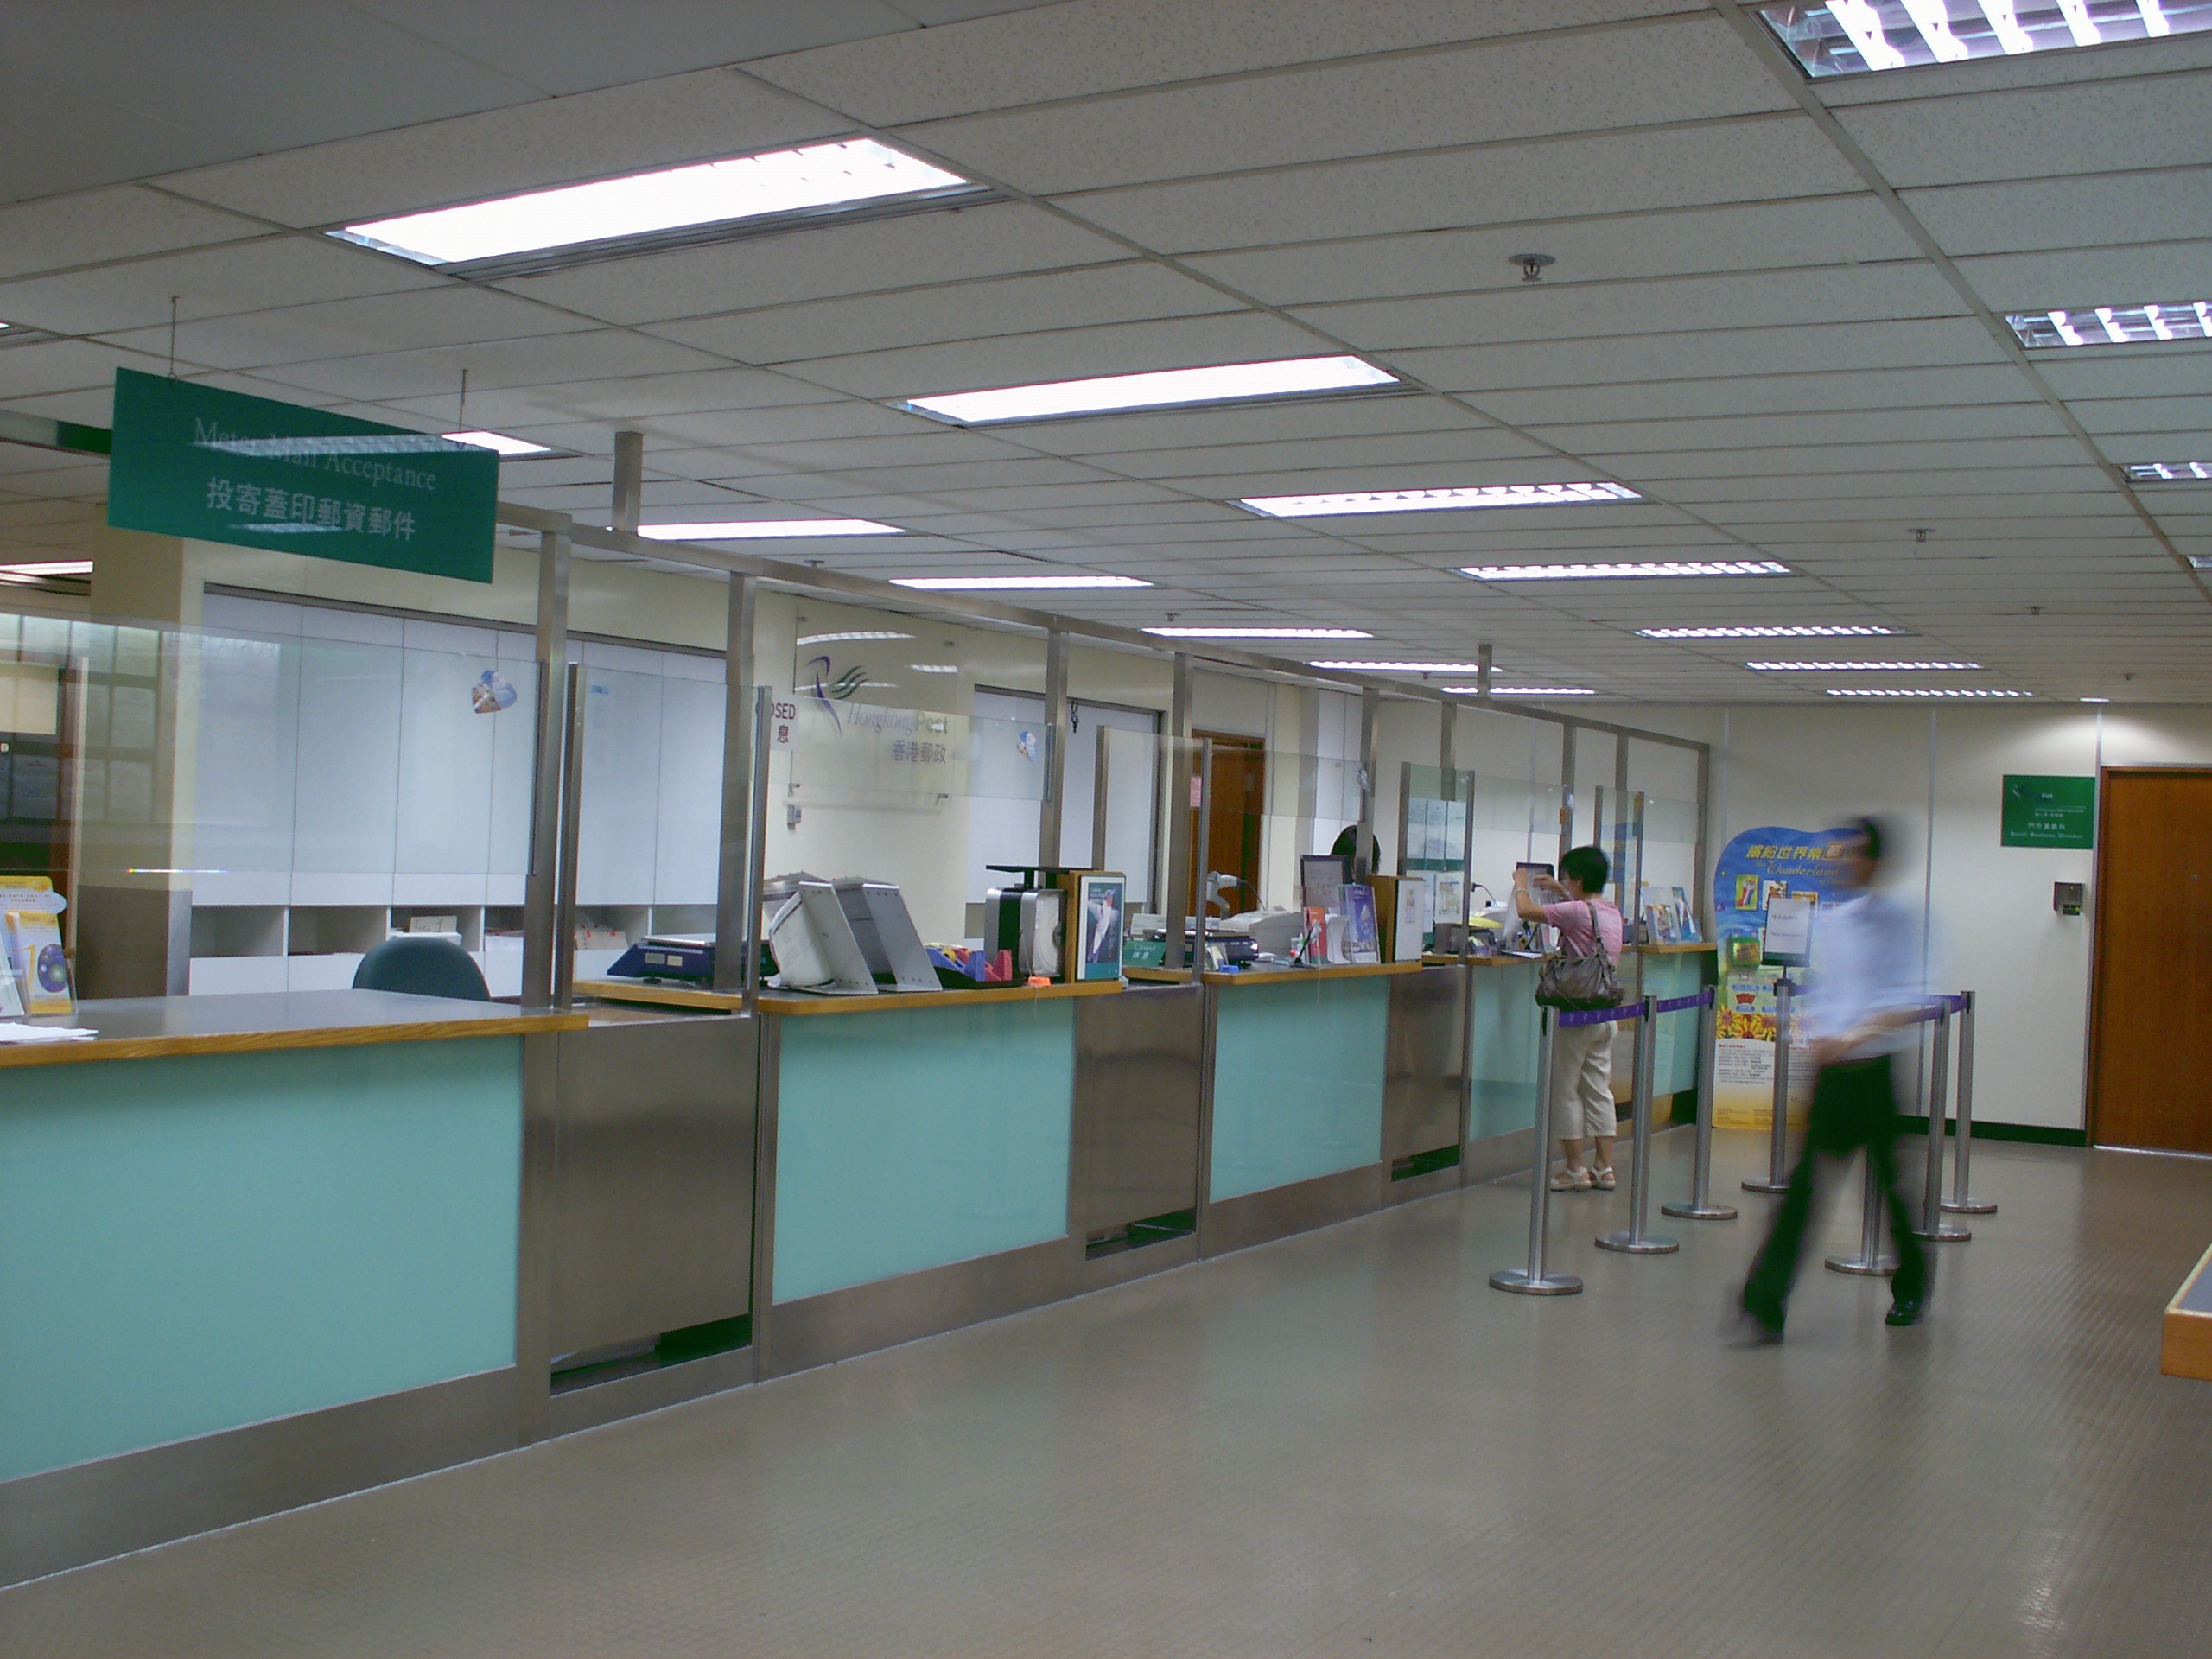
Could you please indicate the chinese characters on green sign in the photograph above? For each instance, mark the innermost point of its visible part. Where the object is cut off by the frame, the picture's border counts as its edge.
(2050, 811)
(220, 467)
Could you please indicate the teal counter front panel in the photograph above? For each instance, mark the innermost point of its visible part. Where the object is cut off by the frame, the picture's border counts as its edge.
(1297, 1081)
(196, 1243)
(1504, 1062)
(1673, 1063)
(914, 1138)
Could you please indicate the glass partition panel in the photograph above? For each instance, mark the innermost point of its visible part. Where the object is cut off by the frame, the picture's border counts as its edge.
(1516, 822)
(1669, 901)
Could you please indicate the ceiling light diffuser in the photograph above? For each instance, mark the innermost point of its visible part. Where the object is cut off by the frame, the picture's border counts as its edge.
(644, 208)
(985, 584)
(1481, 495)
(1402, 668)
(1795, 631)
(35, 570)
(2169, 472)
(1859, 37)
(1523, 690)
(1261, 633)
(935, 668)
(499, 441)
(1221, 383)
(766, 530)
(2148, 324)
(1923, 691)
(840, 638)
(1601, 572)
(1842, 668)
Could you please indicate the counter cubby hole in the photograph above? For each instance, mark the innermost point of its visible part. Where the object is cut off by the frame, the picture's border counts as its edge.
(468, 920)
(633, 922)
(237, 929)
(335, 930)
(684, 921)
(573, 1371)
(1153, 1229)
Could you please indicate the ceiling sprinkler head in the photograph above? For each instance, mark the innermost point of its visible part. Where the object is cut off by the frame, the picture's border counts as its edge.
(1532, 264)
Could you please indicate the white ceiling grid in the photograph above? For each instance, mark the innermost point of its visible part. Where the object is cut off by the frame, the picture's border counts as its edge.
(1738, 325)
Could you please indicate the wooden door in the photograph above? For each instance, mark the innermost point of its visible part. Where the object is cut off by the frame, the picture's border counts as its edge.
(1238, 804)
(2150, 1039)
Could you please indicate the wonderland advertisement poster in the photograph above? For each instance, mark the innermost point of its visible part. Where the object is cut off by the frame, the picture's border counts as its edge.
(1755, 865)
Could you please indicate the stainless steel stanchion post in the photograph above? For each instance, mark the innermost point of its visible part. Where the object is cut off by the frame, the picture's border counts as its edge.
(1932, 1224)
(1702, 1206)
(1636, 1241)
(1872, 1260)
(1776, 1178)
(1532, 1281)
(1962, 1201)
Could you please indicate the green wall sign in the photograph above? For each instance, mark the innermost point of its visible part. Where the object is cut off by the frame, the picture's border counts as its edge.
(2050, 811)
(221, 467)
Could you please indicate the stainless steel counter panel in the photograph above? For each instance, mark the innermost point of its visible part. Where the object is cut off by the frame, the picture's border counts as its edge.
(1424, 1075)
(1137, 1066)
(653, 1207)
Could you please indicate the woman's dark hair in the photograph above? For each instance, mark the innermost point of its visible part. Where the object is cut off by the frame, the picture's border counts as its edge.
(1870, 831)
(1587, 866)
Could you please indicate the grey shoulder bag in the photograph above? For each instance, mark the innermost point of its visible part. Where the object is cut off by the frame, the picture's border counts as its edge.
(1579, 981)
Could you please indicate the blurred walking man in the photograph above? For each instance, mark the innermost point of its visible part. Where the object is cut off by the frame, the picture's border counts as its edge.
(1861, 996)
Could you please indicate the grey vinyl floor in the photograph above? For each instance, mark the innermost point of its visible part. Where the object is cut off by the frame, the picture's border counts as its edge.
(1341, 1445)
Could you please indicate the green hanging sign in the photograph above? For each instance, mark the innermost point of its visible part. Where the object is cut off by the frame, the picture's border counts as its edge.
(217, 466)
(2042, 811)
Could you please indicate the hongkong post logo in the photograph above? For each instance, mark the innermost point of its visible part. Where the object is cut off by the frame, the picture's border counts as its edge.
(830, 692)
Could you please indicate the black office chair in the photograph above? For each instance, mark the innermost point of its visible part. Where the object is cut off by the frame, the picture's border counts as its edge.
(422, 967)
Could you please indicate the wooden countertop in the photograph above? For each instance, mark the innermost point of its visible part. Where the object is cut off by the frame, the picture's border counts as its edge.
(137, 1029)
(1689, 949)
(1434, 960)
(800, 1003)
(1340, 970)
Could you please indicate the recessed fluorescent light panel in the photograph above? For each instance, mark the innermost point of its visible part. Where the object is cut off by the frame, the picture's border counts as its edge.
(1851, 668)
(2200, 562)
(1603, 572)
(1261, 633)
(1402, 668)
(2114, 325)
(1523, 690)
(840, 638)
(1484, 495)
(1800, 631)
(766, 530)
(39, 570)
(673, 205)
(935, 668)
(986, 584)
(1859, 37)
(2169, 472)
(1222, 383)
(499, 441)
(1908, 691)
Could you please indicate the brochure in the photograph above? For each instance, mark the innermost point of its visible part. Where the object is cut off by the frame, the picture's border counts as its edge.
(41, 971)
(1361, 936)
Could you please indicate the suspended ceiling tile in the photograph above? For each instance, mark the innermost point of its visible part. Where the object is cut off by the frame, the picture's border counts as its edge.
(2088, 277)
(1672, 70)
(62, 365)
(1751, 435)
(2098, 211)
(531, 146)
(2158, 420)
(1471, 447)
(1757, 159)
(1318, 419)
(1760, 394)
(1077, 51)
(1669, 467)
(545, 359)
(2093, 127)
(2002, 488)
(2172, 370)
(124, 222)
(1131, 292)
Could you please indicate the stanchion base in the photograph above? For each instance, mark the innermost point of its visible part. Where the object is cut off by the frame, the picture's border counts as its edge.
(1628, 1244)
(1944, 1232)
(1766, 1184)
(1698, 1212)
(1969, 1207)
(1880, 1267)
(1517, 1281)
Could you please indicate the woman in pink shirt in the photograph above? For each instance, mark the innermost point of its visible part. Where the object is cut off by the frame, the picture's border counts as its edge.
(1582, 1056)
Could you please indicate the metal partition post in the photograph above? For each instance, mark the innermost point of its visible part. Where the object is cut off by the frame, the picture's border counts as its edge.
(1634, 908)
(1051, 808)
(1932, 1224)
(737, 786)
(629, 478)
(1702, 1206)
(756, 863)
(1200, 875)
(1776, 1178)
(1101, 773)
(1962, 1201)
(1566, 789)
(1370, 748)
(1871, 1261)
(1182, 808)
(1532, 1281)
(543, 881)
(1405, 810)
(572, 797)
(1635, 1241)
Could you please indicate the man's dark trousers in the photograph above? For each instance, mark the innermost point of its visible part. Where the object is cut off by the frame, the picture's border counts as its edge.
(1854, 1105)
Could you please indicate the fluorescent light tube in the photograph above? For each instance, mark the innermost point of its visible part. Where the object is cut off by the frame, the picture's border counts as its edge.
(935, 668)
(2154, 18)
(1857, 37)
(1597, 572)
(2160, 323)
(1911, 691)
(2006, 25)
(839, 639)
(1482, 495)
(1261, 633)
(1841, 668)
(1795, 631)
(2078, 22)
(985, 584)
(1863, 24)
(2169, 471)
(1933, 20)
(37, 568)
(499, 441)
(814, 176)
(1522, 691)
(766, 530)
(1222, 383)
(1402, 667)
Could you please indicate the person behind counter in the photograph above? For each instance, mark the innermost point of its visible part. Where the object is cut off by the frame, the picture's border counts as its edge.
(1582, 1111)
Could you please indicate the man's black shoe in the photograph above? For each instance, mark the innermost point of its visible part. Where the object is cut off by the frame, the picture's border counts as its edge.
(1905, 1311)
(1764, 1317)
